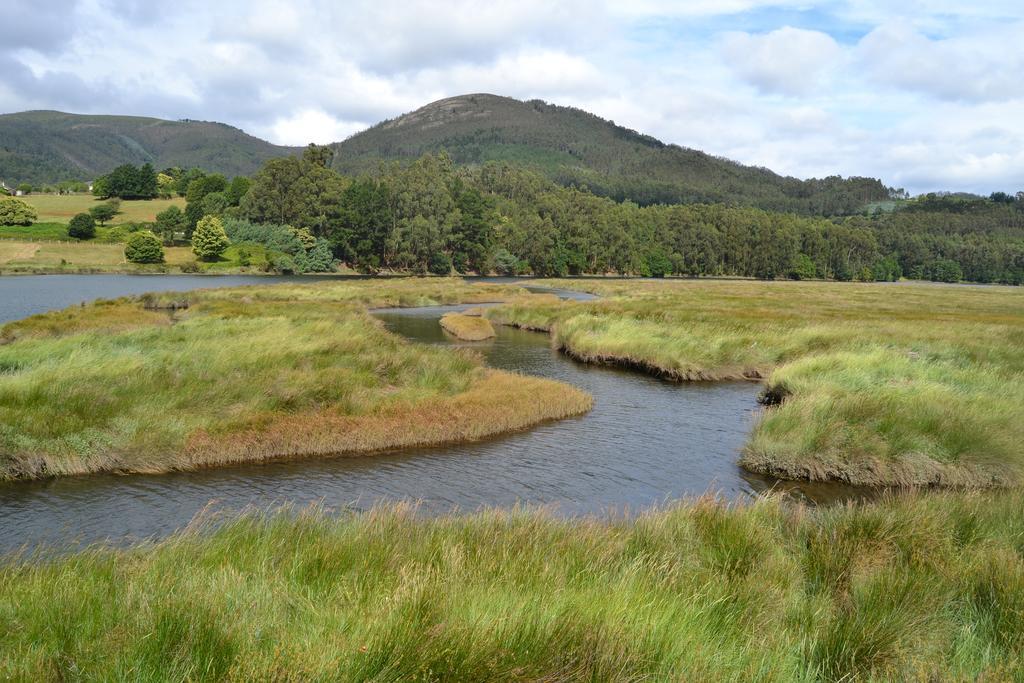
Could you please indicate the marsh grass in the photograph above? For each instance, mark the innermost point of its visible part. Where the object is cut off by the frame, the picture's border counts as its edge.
(467, 327)
(909, 588)
(882, 384)
(145, 385)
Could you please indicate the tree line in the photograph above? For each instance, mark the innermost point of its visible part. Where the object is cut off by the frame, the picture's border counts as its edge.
(433, 216)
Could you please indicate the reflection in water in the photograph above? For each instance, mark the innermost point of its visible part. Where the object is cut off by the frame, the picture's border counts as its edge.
(646, 442)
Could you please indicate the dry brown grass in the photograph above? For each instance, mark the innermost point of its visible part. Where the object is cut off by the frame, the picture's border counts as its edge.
(467, 327)
(17, 251)
(108, 316)
(495, 403)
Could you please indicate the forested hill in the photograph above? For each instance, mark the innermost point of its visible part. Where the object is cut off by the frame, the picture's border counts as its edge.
(42, 147)
(573, 147)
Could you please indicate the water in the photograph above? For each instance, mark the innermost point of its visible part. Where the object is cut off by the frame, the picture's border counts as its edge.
(25, 295)
(645, 443)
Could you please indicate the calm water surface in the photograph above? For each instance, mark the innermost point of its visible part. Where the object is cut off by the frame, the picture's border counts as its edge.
(646, 442)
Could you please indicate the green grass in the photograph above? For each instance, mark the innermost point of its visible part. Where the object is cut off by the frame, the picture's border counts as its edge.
(60, 208)
(135, 385)
(883, 384)
(36, 231)
(244, 255)
(913, 588)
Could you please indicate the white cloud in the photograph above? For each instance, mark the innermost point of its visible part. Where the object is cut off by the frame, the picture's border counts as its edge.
(789, 60)
(311, 125)
(924, 93)
(975, 67)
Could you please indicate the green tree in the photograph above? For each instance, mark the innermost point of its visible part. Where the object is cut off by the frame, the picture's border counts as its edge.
(103, 212)
(82, 226)
(803, 268)
(198, 190)
(296, 191)
(24, 188)
(945, 270)
(237, 189)
(658, 263)
(127, 182)
(170, 222)
(13, 211)
(209, 239)
(215, 204)
(144, 247)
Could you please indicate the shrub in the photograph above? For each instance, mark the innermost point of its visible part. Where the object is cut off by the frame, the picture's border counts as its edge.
(82, 227)
(144, 247)
(506, 263)
(319, 259)
(209, 239)
(440, 264)
(803, 268)
(16, 212)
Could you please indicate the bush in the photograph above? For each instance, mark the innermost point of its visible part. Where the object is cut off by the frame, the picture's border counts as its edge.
(82, 227)
(319, 259)
(209, 239)
(16, 212)
(440, 264)
(506, 263)
(144, 247)
(803, 268)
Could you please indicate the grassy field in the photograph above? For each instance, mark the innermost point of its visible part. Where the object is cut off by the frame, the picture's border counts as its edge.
(22, 256)
(146, 385)
(36, 231)
(60, 208)
(878, 384)
(927, 587)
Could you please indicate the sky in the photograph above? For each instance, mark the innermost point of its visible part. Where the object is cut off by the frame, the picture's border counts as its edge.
(925, 94)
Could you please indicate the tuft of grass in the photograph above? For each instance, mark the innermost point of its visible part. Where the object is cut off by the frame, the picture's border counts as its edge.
(769, 591)
(467, 327)
(880, 384)
(171, 381)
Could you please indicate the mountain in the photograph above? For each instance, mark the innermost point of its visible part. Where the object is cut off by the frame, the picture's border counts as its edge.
(571, 146)
(49, 146)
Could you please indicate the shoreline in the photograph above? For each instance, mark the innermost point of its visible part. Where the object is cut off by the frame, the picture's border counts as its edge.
(907, 468)
(388, 411)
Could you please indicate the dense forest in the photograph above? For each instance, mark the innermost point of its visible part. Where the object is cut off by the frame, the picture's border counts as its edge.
(434, 216)
(575, 148)
(49, 147)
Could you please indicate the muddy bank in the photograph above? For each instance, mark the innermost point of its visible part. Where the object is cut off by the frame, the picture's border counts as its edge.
(911, 471)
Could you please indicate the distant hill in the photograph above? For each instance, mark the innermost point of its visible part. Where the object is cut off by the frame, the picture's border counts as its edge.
(49, 146)
(571, 146)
